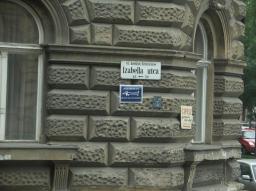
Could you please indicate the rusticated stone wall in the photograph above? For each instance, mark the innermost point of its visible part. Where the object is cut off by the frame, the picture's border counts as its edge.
(131, 23)
(228, 87)
(84, 110)
(25, 178)
(136, 146)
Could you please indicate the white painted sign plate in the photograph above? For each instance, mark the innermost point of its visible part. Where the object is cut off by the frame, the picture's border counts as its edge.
(141, 70)
(186, 117)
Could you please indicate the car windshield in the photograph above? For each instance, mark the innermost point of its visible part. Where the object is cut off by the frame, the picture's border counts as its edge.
(249, 134)
(254, 170)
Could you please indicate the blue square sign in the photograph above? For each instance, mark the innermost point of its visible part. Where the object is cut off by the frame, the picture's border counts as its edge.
(131, 93)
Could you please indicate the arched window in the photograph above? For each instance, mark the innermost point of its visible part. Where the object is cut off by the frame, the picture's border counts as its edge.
(204, 45)
(20, 71)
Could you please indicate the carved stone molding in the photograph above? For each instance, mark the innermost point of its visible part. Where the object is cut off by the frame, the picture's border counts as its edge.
(60, 181)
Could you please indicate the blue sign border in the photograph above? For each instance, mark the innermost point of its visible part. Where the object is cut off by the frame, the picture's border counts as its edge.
(130, 93)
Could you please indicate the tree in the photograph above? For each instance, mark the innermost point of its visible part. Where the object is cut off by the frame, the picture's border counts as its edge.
(249, 95)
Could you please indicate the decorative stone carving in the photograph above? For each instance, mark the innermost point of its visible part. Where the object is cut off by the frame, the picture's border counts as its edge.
(237, 29)
(66, 128)
(141, 36)
(111, 11)
(80, 34)
(109, 128)
(80, 102)
(156, 13)
(158, 129)
(67, 76)
(135, 154)
(170, 105)
(106, 78)
(102, 34)
(76, 12)
(172, 81)
(218, 4)
(237, 50)
(61, 173)
(239, 9)
(99, 177)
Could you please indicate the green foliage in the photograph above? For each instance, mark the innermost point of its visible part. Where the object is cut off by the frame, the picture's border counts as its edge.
(249, 96)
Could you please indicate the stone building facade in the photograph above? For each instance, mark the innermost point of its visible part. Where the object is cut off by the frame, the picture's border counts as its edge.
(82, 137)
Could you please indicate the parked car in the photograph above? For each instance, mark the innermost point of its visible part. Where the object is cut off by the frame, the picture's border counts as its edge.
(247, 140)
(248, 173)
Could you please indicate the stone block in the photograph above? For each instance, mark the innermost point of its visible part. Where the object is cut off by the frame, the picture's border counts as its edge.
(158, 129)
(111, 11)
(152, 37)
(19, 177)
(80, 34)
(102, 34)
(237, 50)
(92, 154)
(109, 128)
(233, 170)
(62, 127)
(226, 128)
(189, 21)
(67, 76)
(232, 153)
(157, 13)
(78, 102)
(228, 86)
(170, 105)
(171, 81)
(231, 149)
(136, 154)
(98, 177)
(76, 12)
(227, 107)
(157, 177)
(211, 173)
(106, 78)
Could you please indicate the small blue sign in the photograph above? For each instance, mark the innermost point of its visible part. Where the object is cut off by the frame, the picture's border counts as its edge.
(131, 93)
(157, 102)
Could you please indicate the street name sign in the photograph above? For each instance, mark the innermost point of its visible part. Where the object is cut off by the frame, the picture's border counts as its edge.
(141, 70)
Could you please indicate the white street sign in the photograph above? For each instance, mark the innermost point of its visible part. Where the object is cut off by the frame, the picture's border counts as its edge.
(186, 117)
(141, 70)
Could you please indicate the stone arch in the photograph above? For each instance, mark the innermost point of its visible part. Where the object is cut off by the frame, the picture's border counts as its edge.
(226, 16)
(51, 17)
(58, 19)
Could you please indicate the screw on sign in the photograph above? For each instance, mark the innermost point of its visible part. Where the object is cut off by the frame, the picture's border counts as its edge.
(131, 93)
(186, 117)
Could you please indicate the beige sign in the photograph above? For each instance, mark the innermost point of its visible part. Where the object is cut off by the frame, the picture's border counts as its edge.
(186, 117)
